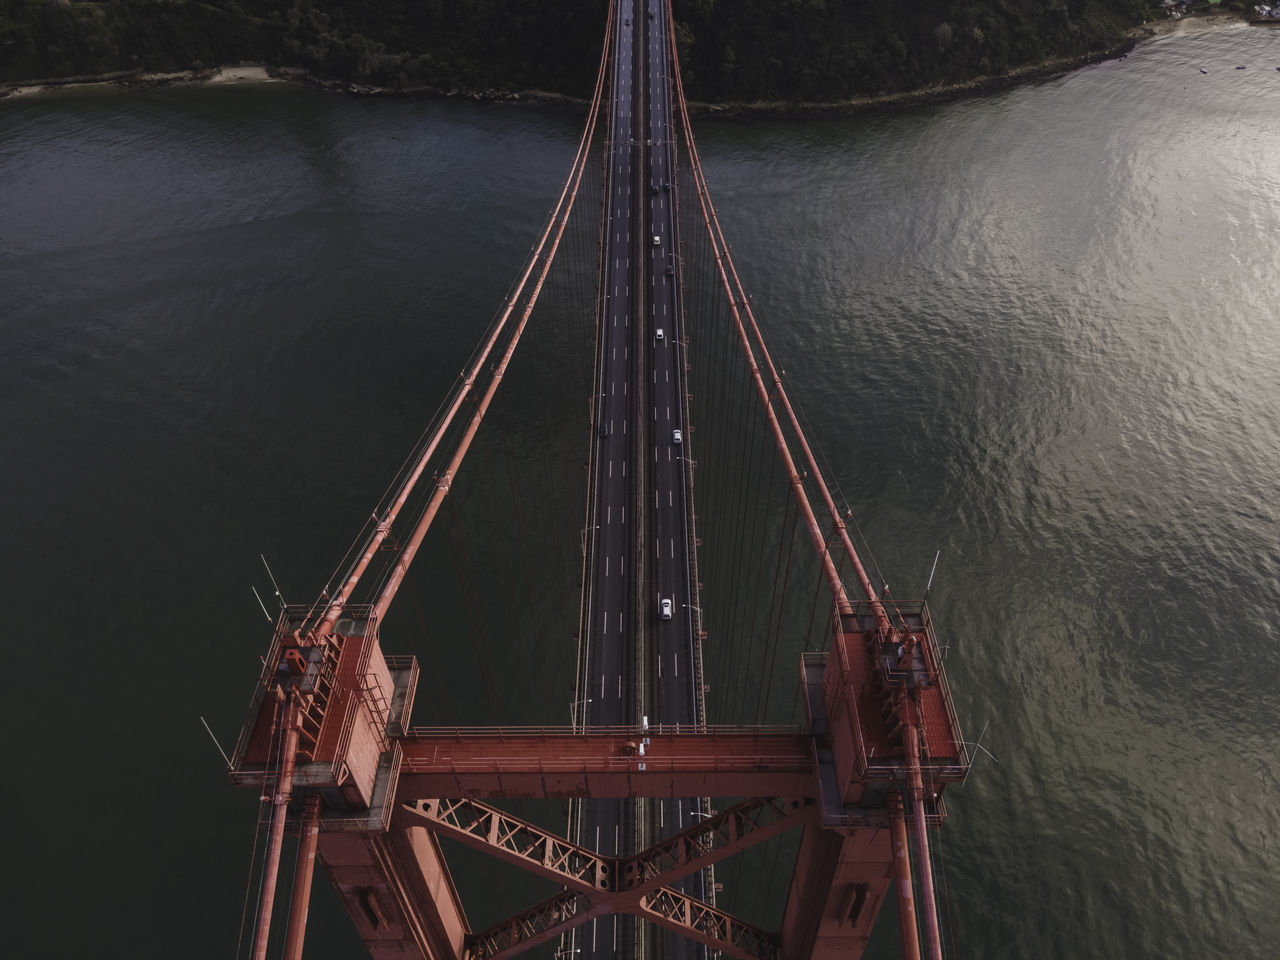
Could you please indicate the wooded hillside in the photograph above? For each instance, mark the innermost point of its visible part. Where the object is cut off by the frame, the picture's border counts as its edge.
(732, 50)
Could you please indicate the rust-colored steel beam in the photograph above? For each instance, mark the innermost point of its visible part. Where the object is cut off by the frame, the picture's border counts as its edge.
(540, 851)
(932, 936)
(700, 921)
(714, 839)
(498, 833)
(595, 884)
(535, 926)
(399, 892)
(303, 872)
(562, 762)
(518, 842)
(666, 906)
(902, 871)
(279, 811)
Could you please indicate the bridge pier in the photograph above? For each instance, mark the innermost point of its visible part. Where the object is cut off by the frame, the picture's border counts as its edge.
(399, 893)
(840, 881)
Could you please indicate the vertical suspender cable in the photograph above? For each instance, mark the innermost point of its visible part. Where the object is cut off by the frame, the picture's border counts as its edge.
(446, 479)
(560, 214)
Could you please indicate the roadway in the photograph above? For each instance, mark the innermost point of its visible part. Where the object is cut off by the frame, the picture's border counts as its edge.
(608, 689)
(672, 699)
(637, 662)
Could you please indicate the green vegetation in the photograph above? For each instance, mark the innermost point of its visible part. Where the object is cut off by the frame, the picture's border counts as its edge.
(732, 50)
(822, 50)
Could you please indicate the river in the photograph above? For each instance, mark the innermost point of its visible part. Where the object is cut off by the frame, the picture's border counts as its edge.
(1037, 330)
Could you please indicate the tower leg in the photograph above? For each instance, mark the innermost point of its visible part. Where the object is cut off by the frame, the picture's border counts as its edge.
(279, 810)
(902, 865)
(933, 938)
(302, 879)
(840, 881)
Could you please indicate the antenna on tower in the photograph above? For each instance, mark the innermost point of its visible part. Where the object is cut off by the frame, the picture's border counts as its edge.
(230, 766)
(261, 604)
(276, 586)
(932, 571)
(978, 744)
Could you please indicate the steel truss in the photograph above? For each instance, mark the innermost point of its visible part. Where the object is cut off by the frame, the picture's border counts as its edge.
(639, 884)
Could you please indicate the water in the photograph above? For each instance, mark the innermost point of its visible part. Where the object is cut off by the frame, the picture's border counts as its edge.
(1037, 330)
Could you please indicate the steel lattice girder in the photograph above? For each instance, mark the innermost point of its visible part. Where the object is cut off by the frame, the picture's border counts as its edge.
(536, 925)
(596, 885)
(517, 841)
(678, 911)
(710, 841)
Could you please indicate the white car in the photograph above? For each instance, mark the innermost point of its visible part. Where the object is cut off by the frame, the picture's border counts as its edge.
(664, 608)
(657, 334)
(677, 437)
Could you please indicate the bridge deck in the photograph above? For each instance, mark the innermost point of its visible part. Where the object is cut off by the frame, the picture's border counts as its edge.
(556, 762)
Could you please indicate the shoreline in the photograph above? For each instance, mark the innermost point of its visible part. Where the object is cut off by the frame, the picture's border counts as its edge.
(924, 96)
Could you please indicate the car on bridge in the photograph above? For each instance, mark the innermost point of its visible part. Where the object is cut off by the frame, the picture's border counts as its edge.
(677, 437)
(664, 608)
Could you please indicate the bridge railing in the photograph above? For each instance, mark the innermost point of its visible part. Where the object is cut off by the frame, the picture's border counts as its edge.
(664, 729)
(915, 615)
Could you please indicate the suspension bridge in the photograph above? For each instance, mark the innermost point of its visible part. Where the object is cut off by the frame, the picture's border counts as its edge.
(659, 796)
